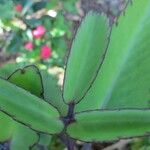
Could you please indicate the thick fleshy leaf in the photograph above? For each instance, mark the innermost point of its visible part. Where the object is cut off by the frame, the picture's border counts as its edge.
(28, 109)
(19, 136)
(23, 138)
(43, 142)
(6, 127)
(107, 125)
(124, 81)
(53, 94)
(28, 78)
(86, 56)
(39, 84)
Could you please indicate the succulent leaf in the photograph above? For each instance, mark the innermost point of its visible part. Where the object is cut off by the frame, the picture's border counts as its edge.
(53, 94)
(28, 109)
(86, 56)
(123, 80)
(108, 125)
(28, 78)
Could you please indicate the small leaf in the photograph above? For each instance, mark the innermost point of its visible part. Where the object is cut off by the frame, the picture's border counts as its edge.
(86, 56)
(28, 109)
(108, 125)
(28, 78)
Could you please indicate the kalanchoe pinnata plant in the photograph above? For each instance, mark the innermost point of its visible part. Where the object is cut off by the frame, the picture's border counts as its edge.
(105, 95)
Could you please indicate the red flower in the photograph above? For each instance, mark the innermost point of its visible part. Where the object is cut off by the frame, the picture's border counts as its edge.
(29, 46)
(39, 32)
(46, 52)
(18, 7)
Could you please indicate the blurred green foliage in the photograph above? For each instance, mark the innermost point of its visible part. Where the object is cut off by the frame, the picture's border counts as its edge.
(22, 17)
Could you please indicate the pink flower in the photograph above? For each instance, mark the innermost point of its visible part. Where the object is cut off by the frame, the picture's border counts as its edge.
(29, 46)
(18, 7)
(39, 32)
(46, 52)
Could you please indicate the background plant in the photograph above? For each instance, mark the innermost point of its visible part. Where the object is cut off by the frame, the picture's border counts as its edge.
(29, 25)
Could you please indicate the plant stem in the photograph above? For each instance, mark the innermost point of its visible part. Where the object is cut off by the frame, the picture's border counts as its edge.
(70, 144)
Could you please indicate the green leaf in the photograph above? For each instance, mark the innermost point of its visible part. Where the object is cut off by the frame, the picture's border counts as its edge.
(108, 125)
(28, 109)
(33, 22)
(6, 127)
(8, 69)
(69, 6)
(123, 81)
(52, 4)
(23, 138)
(86, 56)
(53, 94)
(20, 136)
(8, 8)
(28, 78)
(43, 142)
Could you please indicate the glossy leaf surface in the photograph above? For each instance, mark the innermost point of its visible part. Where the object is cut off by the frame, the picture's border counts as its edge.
(123, 81)
(86, 55)
(110, 125)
